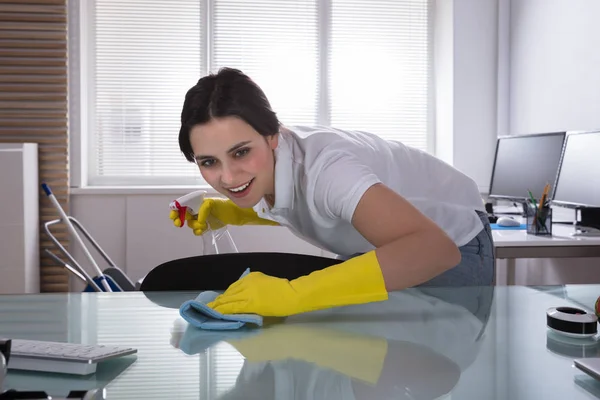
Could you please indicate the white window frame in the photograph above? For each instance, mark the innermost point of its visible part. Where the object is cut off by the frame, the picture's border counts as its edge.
(81, 95)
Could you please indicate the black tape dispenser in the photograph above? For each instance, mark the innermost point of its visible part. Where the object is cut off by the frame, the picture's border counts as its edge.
(572, 322)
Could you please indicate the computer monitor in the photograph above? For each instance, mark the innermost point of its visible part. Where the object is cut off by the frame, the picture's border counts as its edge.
(578, 179)
(525, 163)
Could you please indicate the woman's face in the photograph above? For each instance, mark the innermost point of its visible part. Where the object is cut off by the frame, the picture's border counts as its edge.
(235, 159)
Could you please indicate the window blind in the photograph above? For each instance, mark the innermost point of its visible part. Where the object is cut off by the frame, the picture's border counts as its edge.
(276, 44)
(346, 63)
(379, 68)
(147, 55)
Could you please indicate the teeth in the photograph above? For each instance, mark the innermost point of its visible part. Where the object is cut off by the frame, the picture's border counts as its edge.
(239, 189)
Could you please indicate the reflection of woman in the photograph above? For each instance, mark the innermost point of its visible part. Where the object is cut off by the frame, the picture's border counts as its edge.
(401, 216)
(412, 346)
(409, 372)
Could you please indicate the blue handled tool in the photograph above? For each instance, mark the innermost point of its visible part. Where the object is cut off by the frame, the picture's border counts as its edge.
(103, 283)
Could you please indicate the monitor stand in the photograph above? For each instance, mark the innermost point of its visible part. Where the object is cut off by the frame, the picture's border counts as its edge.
(588, 224)
(517, 208)
(524, 207)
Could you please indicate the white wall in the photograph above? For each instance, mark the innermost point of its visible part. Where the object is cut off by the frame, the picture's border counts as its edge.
(555, 64)
(554, 85)
(466, 82)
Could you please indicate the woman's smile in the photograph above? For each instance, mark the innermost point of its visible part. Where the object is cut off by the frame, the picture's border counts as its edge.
(241, 190)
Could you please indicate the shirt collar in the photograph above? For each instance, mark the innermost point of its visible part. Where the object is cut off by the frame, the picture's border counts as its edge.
(284, 174)
(283, 179)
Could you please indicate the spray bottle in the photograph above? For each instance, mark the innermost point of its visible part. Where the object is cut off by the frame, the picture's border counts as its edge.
(216, 241)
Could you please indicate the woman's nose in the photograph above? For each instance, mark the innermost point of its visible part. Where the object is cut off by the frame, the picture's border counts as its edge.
(228, 175)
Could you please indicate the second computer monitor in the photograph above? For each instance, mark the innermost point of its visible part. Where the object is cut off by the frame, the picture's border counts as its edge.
(525, 163)
(578, 181)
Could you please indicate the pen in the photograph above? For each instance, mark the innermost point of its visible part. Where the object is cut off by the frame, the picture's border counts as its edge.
(544, 207)
(532, 199)
(535, 207)
(544, 195)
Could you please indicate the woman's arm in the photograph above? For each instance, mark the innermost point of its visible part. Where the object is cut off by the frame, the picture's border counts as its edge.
(411, 249)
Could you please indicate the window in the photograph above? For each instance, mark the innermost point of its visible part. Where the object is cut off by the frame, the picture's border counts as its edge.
(347, 63)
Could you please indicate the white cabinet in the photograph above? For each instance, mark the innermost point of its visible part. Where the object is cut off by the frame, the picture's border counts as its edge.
(19, 218)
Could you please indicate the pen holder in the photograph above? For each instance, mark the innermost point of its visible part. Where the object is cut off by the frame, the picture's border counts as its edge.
(539, 222)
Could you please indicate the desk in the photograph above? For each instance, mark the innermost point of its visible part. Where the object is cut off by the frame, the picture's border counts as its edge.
(466, 343)
(514, 244)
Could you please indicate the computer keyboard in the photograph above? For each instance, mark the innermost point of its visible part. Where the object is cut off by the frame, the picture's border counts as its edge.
(67, 358)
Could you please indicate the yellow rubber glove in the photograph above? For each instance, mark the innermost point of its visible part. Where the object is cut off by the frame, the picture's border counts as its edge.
(356, 281)
(215, 213)
(355, 355)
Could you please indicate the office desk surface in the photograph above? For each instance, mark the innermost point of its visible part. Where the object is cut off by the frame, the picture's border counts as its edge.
(513, 244)
(470, 343)
(561, 236)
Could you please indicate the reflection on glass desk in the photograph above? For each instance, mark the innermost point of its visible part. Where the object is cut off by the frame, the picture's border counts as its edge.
(468, 343)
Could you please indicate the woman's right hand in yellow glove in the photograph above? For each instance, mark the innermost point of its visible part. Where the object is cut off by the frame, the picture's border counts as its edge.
(215, 213)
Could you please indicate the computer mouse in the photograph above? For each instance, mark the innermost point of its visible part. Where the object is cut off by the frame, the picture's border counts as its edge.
(507, 221)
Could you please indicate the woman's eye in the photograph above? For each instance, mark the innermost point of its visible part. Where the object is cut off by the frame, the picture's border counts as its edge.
(242, 152)
(207, 163)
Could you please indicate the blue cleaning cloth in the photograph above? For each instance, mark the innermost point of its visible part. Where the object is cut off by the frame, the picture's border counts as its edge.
(197, 313)
(508, 228)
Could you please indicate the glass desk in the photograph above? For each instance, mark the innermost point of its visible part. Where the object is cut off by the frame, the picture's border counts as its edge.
(470, 343)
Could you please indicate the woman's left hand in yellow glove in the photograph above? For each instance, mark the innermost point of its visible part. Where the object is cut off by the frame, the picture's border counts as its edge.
(358, 280)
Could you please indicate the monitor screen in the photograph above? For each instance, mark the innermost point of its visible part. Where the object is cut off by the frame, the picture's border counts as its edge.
(578, 181)
(525, 163)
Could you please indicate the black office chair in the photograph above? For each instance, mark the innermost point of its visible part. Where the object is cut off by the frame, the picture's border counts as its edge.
(218, 271)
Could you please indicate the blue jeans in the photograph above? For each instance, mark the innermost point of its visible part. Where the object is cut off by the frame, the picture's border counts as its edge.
(478, 263)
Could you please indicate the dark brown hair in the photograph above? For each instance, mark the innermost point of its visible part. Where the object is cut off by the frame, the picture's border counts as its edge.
(227, 93)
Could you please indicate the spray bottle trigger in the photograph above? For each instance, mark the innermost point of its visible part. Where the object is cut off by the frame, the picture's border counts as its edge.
(182, 211)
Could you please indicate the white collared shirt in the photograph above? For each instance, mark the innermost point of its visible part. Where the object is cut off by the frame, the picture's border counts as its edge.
(321, 174)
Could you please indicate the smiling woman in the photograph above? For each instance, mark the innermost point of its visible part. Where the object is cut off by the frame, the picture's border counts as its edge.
(381, 205)
(230, 131)
(243, 170)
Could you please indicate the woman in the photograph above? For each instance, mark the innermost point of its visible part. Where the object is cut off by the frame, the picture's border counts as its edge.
(399, 216)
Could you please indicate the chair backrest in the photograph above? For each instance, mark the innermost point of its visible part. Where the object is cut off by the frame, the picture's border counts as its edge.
(218, 271)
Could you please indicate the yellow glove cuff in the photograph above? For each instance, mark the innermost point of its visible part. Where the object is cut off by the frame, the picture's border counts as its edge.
(356, 281)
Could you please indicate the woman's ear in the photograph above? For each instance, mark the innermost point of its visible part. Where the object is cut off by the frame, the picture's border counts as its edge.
(273, 141)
